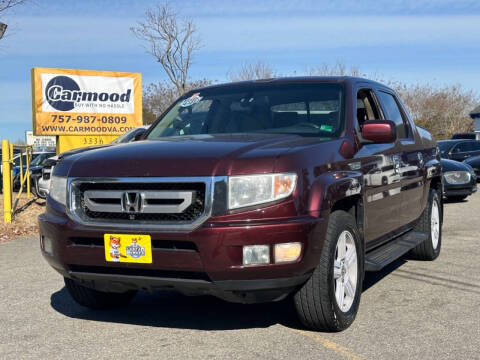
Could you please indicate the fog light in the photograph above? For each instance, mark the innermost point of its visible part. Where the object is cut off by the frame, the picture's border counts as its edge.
(256, 254)
(287, 252)
(46, 244)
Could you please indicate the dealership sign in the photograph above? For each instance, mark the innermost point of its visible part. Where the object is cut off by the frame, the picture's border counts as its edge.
(85, 102)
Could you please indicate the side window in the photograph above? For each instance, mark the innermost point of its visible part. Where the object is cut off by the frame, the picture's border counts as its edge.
(16, 161)
(464, 147)
(476, 146)
(392, 112)
(366, 107)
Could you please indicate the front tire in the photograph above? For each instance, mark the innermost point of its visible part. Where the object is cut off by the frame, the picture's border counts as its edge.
(430, 223)
(329, 300)
(97, 299)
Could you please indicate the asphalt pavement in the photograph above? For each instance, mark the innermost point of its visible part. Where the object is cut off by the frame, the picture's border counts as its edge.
(411, 310)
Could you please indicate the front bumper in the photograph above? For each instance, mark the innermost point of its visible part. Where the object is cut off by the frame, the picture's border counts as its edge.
(43, 186)
(459, 190)
(211, 264)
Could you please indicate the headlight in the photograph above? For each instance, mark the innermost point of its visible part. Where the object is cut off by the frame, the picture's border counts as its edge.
(58, 189)
(457, 177)
(248, 190)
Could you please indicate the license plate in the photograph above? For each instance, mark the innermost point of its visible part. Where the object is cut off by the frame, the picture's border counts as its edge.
(128, 248)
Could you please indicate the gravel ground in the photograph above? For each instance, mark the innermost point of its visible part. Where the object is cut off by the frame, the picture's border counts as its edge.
(24, 223)
(411, 310)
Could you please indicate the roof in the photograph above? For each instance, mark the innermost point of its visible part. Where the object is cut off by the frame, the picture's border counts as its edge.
(293, 80)
(475, 112)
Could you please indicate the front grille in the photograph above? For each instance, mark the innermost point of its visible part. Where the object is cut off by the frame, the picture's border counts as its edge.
(165, 245)
(166, 274)
(161, 202)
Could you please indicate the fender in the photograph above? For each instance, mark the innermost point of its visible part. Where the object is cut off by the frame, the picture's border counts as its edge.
(334, 186)
(433, 178)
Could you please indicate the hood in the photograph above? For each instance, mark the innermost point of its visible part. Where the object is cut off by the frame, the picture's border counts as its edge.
(76, 151)
(473, 161)
(452, 165)
(198, 155)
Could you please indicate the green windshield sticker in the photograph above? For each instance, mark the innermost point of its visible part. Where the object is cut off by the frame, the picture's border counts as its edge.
(328, 128)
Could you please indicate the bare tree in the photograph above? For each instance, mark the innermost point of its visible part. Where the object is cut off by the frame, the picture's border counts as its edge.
(172, 41)
(442, 110)
(252, 71)
(338, 69)
(7, 4)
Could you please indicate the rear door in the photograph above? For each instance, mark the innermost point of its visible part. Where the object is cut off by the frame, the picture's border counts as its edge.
(462, 150)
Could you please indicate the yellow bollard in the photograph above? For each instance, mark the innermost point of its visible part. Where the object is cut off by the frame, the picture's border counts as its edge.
(11, 159)
(21, 170)
(28, 172)
(7, 175)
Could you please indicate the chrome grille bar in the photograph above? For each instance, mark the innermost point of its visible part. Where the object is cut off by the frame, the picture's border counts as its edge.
(120, 203)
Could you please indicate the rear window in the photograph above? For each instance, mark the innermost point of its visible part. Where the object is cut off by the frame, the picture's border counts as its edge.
(301, 109)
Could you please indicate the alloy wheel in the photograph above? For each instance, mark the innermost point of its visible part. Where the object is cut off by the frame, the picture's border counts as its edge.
(345, 271)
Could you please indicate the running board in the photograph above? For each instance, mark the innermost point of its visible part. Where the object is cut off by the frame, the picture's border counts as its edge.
(377, 259)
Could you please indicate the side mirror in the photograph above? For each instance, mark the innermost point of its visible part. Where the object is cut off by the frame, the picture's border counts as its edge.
(379, 131)
(138, 136)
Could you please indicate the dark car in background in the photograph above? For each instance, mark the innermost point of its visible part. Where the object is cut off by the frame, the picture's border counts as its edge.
(459, 149)
(15, 152)
(459, 180)
(35, 167)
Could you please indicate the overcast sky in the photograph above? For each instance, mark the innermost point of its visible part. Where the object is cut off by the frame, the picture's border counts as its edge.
(421, 41)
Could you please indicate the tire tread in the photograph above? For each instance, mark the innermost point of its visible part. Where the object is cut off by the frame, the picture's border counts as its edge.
(425, 251)
(314, 301)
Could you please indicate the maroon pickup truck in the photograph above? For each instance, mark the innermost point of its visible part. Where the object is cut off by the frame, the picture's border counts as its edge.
(251, 191)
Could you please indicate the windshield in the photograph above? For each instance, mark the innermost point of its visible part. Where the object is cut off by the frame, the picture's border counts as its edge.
(16, 160)
(40, 158)
(445, 146)
(35, 160)
(302, 109)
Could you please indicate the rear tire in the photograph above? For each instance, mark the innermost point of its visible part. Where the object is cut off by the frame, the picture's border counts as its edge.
(329, 300)
(430, 223)
(97, 299)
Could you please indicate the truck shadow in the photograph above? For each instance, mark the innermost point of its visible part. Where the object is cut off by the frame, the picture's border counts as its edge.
(172, 310)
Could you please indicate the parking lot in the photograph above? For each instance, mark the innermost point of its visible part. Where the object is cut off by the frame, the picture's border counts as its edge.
(412, 309)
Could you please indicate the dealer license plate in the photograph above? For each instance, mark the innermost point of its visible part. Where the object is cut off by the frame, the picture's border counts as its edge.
(128, 248)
